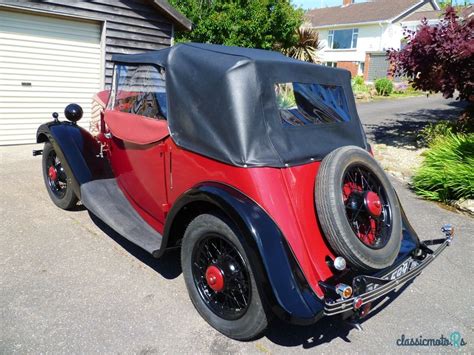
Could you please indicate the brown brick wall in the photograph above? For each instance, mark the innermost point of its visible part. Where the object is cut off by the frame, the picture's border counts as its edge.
(366, 66)
(351, 66)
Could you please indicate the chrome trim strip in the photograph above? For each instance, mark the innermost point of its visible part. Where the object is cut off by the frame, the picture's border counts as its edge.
(334, 308)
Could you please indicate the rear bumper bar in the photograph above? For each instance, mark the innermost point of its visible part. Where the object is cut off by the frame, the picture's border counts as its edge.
(380, 285)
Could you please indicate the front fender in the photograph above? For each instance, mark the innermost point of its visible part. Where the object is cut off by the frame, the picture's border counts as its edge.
(277, 273)
(76, 149)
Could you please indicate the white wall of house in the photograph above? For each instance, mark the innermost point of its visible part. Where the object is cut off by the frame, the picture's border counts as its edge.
(392, 36)
(372, 37)
(369, 39)
(413, 25)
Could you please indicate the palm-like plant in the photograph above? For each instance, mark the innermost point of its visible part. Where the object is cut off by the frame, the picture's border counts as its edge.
(306, 47)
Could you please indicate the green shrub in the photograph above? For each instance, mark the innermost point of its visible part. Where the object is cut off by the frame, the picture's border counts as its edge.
(435, 130)
(447, 172)
(360, 88)
(358, 80)
(410, 89)
(441, 129)
(383, 86)
(358, 85)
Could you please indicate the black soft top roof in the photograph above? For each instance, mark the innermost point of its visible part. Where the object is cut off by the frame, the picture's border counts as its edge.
(222, 104)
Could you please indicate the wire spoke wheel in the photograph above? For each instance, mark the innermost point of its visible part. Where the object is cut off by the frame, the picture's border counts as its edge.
(56, 177)
(221, 277)
(366, 205)
(358, 209)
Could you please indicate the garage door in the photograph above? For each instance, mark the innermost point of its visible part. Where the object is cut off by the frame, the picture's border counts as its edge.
(45, 63)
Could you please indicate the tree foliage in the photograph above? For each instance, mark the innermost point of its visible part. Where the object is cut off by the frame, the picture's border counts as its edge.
(443, 4)
(245, 23)
(439, 58)
(307, 45)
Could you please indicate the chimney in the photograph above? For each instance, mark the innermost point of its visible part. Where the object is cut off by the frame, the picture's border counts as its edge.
(347, 2)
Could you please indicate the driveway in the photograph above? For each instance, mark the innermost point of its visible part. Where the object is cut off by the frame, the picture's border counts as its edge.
(69, 284)
(393, 122)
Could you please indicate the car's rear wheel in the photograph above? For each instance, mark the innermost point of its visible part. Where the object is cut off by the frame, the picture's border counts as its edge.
(358, 209)
(56, 180)
(219, 278)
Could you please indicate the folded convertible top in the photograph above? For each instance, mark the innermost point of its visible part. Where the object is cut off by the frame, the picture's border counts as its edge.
(222, 104)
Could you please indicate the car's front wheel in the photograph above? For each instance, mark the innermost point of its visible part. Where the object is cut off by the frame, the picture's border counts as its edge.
(219, 278)
(56, 180)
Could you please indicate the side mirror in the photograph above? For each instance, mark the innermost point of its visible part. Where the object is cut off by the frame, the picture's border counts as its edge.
(73, 112)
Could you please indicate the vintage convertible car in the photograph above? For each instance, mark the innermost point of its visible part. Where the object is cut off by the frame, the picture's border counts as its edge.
(256, 166)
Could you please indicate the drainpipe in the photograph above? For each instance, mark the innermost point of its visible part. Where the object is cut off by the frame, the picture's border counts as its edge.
(381, 37)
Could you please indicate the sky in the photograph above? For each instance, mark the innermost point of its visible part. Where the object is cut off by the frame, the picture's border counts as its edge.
(311, 4)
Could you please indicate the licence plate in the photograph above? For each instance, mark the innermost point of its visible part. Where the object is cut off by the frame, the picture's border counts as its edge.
(398, 272)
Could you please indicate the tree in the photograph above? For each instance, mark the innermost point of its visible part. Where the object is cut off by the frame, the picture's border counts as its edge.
(306, 47)
(245, 23)
(439, 58)
(443, 4)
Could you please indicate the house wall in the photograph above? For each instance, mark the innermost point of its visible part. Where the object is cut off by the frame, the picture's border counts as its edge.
(372, 38)
(369, 39)
(391, 37)
(413, 25)
(426, 7)
(353, 67)
(131, 26)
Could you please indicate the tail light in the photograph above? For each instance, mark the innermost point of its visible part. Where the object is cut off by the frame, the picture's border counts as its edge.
(344, 291)
(358, 302)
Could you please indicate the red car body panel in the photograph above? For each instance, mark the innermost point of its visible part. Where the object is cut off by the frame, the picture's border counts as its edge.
(136, 129)
(153, 176)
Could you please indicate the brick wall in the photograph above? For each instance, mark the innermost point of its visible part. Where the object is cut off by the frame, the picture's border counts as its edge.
(351, 66)
(366, 66)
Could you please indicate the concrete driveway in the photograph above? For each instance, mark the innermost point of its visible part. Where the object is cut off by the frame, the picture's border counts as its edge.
(69, 284)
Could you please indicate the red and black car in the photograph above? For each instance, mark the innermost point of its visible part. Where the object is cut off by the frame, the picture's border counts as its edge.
(255, 165)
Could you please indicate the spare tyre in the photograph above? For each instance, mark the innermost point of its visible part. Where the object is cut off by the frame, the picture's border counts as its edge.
(358, 209)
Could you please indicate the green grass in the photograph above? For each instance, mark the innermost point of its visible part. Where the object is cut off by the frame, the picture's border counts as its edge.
(400, 95)
(447, 172)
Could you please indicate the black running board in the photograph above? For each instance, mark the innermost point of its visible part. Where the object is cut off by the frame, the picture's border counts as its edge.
(105, 200)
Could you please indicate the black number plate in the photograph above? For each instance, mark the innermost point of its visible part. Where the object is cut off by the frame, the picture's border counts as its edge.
(398, 272)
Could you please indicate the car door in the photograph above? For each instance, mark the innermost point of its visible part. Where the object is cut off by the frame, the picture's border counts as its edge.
(137, 129)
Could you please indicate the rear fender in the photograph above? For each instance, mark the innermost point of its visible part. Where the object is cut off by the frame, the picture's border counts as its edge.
(410, 239)
(77, 150)
(277, 273)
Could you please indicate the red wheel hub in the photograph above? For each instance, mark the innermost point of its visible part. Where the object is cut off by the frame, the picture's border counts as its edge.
(215, 278)
(373, 203)
(52, 173)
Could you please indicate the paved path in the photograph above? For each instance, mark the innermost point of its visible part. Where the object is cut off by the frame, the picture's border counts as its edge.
(393, 122)
(67, 284)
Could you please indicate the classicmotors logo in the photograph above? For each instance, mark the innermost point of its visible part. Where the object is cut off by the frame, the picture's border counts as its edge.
(455, 340)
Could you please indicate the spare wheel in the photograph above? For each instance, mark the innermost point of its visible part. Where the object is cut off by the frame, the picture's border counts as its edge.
(358, 209)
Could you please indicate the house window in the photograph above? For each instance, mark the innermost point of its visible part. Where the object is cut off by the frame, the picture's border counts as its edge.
(331, 64)
(343, 39)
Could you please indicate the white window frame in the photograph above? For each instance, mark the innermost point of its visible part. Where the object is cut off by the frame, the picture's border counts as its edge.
(354, 38)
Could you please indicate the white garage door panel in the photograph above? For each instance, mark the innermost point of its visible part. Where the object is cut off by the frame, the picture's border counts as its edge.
(61, 58)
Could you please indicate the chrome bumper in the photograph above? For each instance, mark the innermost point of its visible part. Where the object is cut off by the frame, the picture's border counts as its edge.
(386, 283)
